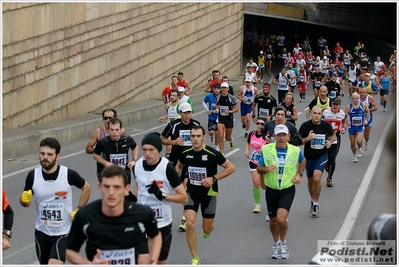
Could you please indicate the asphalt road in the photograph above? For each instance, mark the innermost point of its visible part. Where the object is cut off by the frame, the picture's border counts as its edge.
(240, 237)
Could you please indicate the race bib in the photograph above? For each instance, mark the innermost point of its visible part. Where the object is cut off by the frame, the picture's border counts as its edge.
(157, 209)
(317, 83)
(224, 110)
(280, 163)
(255, 156)
(185, 134)
(196, 175)
(302, 78)
(263, 112)
(332, 94)
(319, 142)
(172, 114)
(269, 56)
(51, 214)
(213, 107)
(283, 85)
(261, 65)
(119, 256)
(356, 121)
(118, 159)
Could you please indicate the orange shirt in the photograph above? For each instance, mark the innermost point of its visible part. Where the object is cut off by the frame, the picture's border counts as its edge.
(183, 83)
(166, 92)
(5, 200)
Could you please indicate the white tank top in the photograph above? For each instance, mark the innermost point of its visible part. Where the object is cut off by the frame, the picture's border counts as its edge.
(173, 113)
(352, 74)
(162, 209)
(251, 75)
(53, 201)
(347, 59)
(283, 83)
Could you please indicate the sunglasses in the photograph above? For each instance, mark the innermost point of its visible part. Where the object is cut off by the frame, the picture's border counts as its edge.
(260, 123)
(107, 118)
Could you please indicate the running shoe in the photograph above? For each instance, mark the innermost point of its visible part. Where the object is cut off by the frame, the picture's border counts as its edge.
(182, 225)
(360, 153)
(246, 135)
(205, 235)
(311, 206)
(284, 251)
(329, 183)
(231, 144)
(261, 80)
(195, 261)
(213, 139)
(366, 146)
(257, 209)
(384, 110)
(267, 218)
(217, 148)
(315, 211)
(355, 159)
(243, 125)
(276, 252)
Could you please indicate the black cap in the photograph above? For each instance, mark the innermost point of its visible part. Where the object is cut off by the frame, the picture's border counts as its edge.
(337, 101)
(153, 139)
(216, 86)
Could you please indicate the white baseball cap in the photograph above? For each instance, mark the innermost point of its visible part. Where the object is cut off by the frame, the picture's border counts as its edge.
(224, 85)
(184, 107)
(181, 89)
(281, 128)
(248, 79)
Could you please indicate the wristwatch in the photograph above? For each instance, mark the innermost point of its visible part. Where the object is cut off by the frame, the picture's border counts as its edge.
(7, 233)
(214, 179)
(163, 195)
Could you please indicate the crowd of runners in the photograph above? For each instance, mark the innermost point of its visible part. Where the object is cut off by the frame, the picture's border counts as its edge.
(134, 225)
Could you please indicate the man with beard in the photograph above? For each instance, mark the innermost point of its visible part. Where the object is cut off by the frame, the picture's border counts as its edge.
(265, 102)
(51, 187)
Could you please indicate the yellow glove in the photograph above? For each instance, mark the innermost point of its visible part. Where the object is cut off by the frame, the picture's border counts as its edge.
(73, 213)
(26, 196)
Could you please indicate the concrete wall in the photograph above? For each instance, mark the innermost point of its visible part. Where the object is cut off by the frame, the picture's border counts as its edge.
(63, 60)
